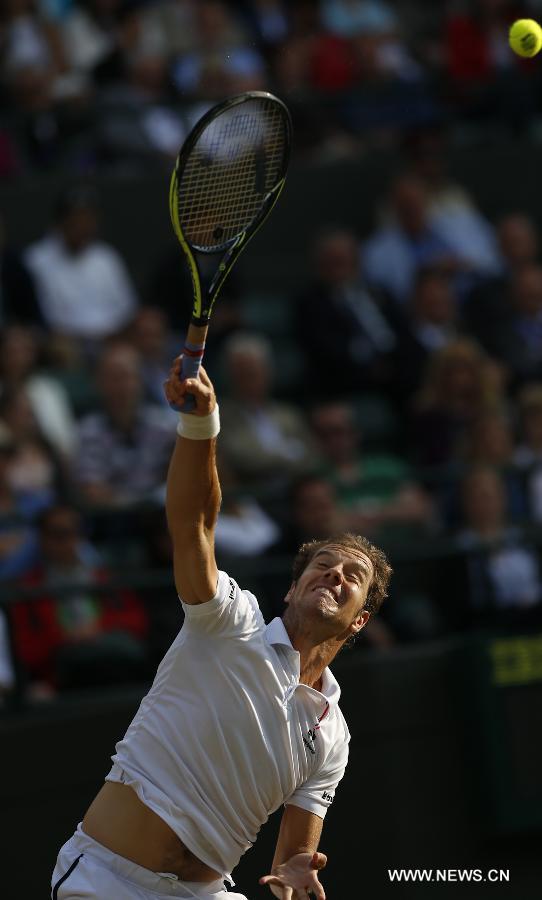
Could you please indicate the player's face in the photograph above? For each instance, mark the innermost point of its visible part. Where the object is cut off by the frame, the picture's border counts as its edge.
(332, 590)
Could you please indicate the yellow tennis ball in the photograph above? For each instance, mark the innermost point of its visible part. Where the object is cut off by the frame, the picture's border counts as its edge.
(526, 37)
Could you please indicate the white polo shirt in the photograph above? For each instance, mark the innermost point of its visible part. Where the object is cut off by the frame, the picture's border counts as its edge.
(87, 294)
(227, 734)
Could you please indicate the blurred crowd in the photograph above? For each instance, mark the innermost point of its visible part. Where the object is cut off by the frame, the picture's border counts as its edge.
(109, 84)
(414, 416)
(411, 410)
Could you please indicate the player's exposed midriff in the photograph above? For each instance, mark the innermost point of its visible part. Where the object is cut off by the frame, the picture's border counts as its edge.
(118, 820)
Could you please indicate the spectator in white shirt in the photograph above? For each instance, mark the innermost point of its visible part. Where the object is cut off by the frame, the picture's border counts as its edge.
(84, 289)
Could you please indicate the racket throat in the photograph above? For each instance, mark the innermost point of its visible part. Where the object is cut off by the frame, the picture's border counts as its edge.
(201, 322)
(196, 336)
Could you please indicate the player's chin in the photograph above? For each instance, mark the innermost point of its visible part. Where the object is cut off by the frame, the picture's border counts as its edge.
(326, 609)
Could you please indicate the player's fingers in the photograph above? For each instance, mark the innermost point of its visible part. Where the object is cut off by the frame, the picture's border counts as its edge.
(174, 390)
(317, 891)
(318, 861)
(168, 391)
(205, 398)
(204, 377)
(176, 403)
(272, 879)
(175, 368)
(194, 386)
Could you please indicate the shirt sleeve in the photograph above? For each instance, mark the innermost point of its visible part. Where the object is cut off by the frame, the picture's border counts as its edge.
(317, 793)
(232, 612)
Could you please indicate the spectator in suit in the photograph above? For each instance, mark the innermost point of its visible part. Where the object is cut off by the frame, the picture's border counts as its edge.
(340, 325)
(503, 566)
(266, 442)
(515, 337)
(486, 308)
(68, 638)
(433, 322)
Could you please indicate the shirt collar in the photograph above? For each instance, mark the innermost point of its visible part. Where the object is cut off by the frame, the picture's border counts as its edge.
(275, 633)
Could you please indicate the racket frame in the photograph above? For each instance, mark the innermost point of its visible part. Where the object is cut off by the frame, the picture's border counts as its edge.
(205, 296)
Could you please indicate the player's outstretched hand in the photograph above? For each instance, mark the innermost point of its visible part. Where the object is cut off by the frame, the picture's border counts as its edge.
(201, 387)
(297, 878)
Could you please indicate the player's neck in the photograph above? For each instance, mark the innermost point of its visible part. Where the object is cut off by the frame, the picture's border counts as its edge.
(314, 658)
(313, 664)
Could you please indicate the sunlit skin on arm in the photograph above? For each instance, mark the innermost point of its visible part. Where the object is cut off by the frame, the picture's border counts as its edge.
(193, 495)
(296, 862)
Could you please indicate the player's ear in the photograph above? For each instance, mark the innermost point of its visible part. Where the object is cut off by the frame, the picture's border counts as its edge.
(360, 621)
(288, 596)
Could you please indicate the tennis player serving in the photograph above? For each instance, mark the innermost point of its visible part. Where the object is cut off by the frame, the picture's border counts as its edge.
(242, 717)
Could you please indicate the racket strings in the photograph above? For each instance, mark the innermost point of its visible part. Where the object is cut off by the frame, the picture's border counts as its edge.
(237, 160)
(222, 198)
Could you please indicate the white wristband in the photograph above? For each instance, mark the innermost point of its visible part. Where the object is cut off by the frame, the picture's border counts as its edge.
(199, 428)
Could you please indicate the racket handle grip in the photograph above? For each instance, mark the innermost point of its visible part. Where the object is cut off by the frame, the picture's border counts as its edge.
(190, 365)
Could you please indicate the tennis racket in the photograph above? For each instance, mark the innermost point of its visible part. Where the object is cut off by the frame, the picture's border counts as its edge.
(227, 178)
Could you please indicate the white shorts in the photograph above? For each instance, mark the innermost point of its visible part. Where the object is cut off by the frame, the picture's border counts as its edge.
(85, 870)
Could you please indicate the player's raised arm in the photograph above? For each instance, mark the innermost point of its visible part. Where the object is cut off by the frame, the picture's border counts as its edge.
(193, 490)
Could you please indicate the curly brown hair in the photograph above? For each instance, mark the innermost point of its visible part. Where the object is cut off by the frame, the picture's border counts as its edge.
(382, 571)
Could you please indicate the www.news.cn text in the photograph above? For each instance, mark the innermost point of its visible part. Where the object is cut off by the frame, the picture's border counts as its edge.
(449, 875)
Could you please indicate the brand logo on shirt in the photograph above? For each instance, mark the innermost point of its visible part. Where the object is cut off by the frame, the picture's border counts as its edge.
(232, 590)
(328, 797)
(309, 740)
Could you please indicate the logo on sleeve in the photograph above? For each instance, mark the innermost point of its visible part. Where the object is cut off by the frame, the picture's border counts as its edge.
(328, 797)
